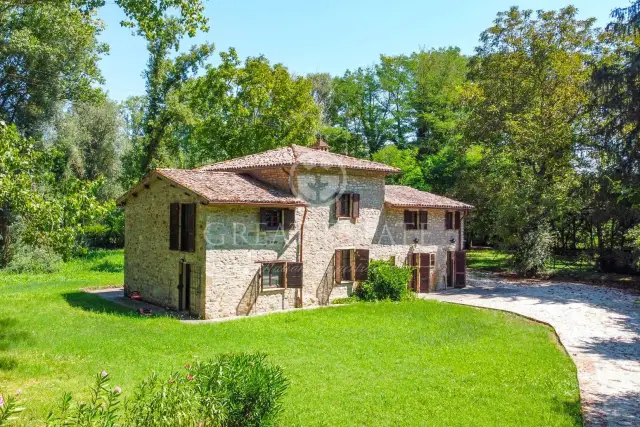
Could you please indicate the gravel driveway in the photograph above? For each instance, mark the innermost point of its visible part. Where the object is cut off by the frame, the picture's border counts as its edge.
(599, 327)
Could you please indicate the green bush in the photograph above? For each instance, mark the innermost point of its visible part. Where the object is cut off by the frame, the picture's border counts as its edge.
(533, 251)
(231, 391)
(386, 281)
(30, 259)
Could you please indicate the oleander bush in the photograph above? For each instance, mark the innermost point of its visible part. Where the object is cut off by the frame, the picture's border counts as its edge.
(231, 391)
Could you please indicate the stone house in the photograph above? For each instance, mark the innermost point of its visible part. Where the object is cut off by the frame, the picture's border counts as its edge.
(290, 227)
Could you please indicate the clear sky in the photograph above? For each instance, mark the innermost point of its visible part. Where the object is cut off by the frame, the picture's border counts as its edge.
(328, 36)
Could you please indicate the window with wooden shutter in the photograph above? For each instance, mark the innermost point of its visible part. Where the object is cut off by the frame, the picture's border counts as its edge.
(174, 226)
(294, 275)
(361, 264)
(355, 205)
(188, 227)
(410, 220)
(338, 266)
(424, 219)
(457, 220)
(270, 219)
(289, 219)
(448, 220)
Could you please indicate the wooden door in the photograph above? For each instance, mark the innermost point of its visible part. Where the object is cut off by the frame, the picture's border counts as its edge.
(451, 261)
(184, 286)
(425, 272)
(461, 269)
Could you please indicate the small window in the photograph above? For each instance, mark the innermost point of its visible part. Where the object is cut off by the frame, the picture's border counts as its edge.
(348, 206)
(345, 205)
(448, 220)
(270, 219)
(414, 220)
(272, 276)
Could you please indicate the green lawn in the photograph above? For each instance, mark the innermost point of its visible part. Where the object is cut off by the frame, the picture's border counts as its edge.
(410, 363)
(500, 261)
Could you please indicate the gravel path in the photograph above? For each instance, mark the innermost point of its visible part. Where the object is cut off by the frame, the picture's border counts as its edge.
(599, 327)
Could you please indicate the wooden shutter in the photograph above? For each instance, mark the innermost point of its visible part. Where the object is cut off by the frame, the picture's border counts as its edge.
(263, 219)
(289, 218)
(461, 269)
(355, 205)
(425, 272)
(338, 266)
(338, 206)
(294, 275)
(188, 228)
(410, 220)
(362, 265)
(457, 220)
(424, 219)
(174, 226)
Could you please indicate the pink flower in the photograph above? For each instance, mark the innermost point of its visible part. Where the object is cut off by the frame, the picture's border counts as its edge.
(103, 374)
(190, 377)
(117, 390)
(1, 402)
(19, 392)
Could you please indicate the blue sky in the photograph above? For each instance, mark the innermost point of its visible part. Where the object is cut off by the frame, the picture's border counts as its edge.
(330, 36)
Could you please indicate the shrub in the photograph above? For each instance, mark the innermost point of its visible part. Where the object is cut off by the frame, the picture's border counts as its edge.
(9, 408)
(386, 281)
(30, 259)
(231, 391)
(533, 251)
(102, 408)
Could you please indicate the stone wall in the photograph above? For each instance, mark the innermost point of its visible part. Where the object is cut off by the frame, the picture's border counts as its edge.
(235, 247)
(232, 266)
(149, 266)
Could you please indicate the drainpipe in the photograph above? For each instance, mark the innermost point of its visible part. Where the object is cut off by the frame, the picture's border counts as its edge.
(304, 217)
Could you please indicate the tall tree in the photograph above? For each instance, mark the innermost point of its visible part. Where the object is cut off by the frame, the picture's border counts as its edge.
(527, 102)
(241, 108)
(49, 52)
(438, 78)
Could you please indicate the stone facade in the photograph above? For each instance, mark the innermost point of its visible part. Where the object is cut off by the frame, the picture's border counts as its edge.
(150, 267)
(230, 246)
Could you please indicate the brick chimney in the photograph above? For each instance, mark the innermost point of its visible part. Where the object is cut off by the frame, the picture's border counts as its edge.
(321, 145)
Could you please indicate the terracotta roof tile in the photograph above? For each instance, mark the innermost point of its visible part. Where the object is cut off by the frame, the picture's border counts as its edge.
(223, 187)
(296, 154)
(407, 197)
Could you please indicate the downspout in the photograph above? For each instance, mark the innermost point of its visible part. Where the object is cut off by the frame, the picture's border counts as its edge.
(304, 217)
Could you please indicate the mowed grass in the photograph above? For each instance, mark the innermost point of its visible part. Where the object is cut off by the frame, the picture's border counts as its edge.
(375, 364)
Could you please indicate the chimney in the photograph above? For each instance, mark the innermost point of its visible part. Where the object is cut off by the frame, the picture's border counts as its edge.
(321, 145)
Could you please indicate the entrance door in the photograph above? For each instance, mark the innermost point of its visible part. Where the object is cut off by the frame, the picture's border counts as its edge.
(425, 272)
(184, 287)
(451, 269)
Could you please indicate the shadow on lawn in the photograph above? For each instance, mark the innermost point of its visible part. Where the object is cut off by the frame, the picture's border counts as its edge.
(108, 266)
(95, 304)
(10, 335)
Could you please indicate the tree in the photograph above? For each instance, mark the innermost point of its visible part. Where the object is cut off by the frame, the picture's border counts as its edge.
(438, 78)
(405, 160)
(50, 213)
(362, 107)
(91, 141)
(527, 105)
(614, 148)
(241, 108)
(49, 52)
